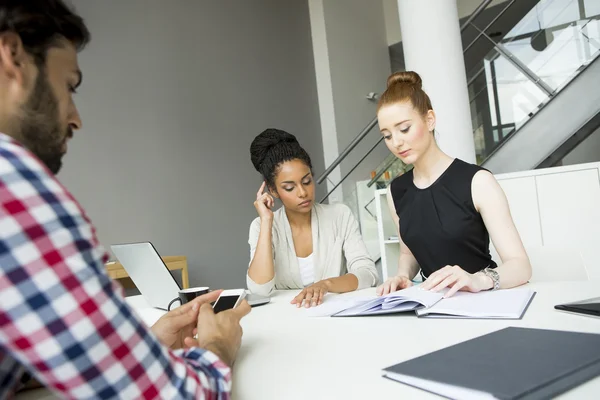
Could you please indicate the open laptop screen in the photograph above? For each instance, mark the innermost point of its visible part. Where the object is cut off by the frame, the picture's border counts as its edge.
(148, 272)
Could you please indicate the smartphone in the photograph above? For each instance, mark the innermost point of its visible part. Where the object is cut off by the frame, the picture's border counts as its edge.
(229, 299)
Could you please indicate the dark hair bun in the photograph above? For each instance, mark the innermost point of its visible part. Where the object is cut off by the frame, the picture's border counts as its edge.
(267, 140)
(405, 78)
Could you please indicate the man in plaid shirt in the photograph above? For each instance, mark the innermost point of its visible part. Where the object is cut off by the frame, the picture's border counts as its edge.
(62, 320)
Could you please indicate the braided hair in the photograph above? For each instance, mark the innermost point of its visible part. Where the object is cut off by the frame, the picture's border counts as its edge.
(272, 148)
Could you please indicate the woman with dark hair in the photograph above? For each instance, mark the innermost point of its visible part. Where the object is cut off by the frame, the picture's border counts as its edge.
(303, 244)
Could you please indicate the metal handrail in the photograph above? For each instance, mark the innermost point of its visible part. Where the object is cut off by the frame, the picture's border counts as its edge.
(524, 69)
(347, 150)
(475, 14)
(493, 21)
(352, 170)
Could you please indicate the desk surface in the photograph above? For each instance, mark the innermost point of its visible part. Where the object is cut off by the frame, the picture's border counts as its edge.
(286, 354)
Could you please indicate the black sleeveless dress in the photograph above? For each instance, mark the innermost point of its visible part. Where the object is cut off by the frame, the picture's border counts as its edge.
(439, 224)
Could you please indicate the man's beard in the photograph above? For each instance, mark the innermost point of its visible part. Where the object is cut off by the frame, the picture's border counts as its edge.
(40, 130)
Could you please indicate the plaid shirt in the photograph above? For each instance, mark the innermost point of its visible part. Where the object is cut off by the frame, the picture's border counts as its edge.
(62, 319)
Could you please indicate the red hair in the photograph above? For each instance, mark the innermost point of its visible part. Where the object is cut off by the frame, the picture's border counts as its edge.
(406, 86)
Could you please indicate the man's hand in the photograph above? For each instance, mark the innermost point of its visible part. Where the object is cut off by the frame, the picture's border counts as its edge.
(220, 333)
(173, 327)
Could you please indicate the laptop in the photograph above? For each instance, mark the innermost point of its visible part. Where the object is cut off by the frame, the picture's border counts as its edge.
(148, 272)
(152, 277)
(589, 307)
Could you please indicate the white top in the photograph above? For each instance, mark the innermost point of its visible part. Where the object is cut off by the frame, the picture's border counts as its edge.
(338, 249)
(280, 338)
(307, 270)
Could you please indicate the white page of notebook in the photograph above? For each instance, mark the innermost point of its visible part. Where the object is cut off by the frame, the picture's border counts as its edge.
(444, 389)
(372, 309)
(505, 303)
(336, 304)
(363, 308)
(413, 293)
(406, 306)
(402, 300)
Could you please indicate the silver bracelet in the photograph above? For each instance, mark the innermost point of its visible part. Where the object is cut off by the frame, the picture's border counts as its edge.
(493, 274)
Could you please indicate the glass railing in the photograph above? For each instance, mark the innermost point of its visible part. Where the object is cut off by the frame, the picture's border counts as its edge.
(356, 193)
(531, 64)
(390, 168)
(502, 99)
(359, 195)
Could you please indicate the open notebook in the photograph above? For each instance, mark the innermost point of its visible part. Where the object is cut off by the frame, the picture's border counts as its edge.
(500, 304)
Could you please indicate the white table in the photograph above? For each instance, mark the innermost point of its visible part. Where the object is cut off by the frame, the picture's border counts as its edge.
(287, 355)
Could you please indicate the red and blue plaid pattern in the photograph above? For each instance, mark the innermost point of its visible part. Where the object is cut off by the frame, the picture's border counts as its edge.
(62, 319)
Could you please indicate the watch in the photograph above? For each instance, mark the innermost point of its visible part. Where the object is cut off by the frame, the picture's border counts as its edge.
(493, 274)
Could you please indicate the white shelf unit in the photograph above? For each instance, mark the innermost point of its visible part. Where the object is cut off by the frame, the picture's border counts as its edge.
(390, 248)
(368, 221)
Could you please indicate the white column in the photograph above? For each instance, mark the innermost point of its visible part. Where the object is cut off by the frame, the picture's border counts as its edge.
(325, 96)
(432, 48)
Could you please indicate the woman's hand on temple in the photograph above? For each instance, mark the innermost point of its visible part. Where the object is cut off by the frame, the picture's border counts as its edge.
(264, 203)
(392, 284)
(312, 295)
(456, 278)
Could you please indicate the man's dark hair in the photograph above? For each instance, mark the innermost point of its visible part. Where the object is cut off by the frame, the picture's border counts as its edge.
(272, 148)
(41, 24)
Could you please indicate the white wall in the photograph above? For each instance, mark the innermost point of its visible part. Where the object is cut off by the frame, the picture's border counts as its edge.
(325, 95)
(173, 94)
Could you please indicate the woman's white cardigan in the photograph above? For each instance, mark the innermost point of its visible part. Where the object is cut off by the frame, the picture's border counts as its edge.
(338, 248)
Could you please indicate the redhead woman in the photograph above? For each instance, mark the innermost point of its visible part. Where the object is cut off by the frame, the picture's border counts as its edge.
(445, 209)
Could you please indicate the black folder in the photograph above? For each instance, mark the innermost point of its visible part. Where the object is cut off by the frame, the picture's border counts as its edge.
(512, 363)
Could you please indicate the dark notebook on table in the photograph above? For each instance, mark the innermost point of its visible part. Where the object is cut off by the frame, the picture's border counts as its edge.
(512, 363)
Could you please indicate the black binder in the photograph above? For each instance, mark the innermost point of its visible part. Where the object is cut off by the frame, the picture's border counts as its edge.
(512, 363)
